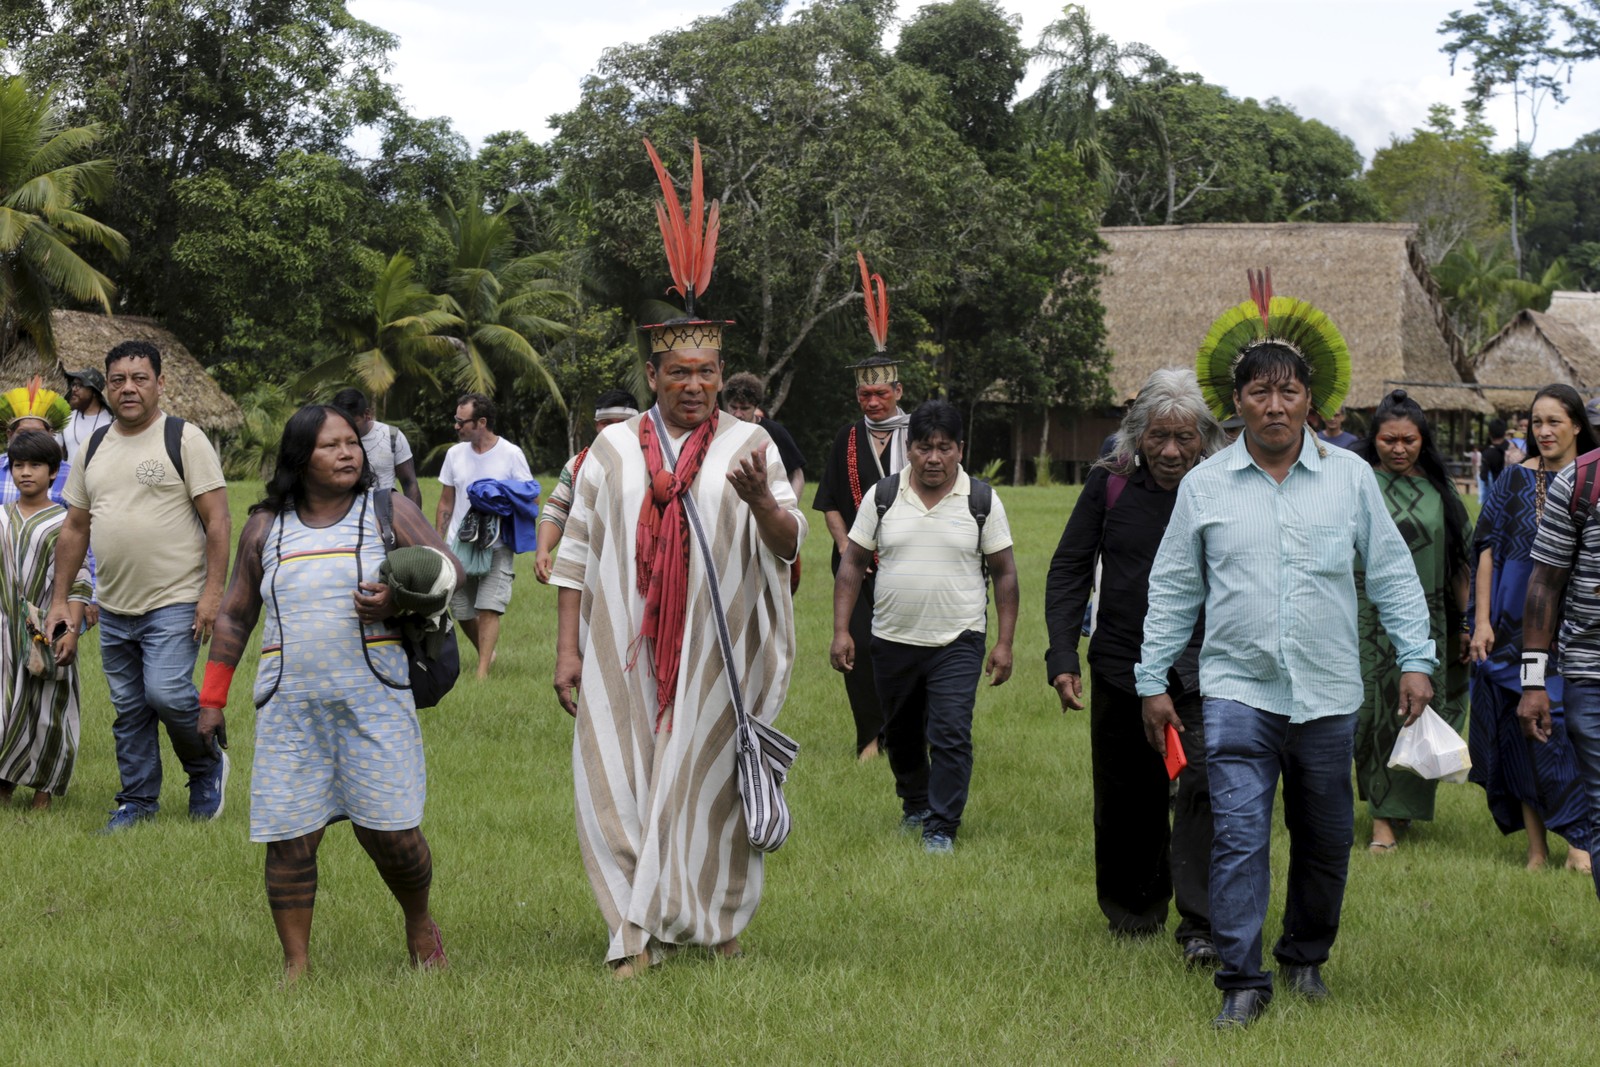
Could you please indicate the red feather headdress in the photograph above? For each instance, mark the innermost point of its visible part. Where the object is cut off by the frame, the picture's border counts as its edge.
(875, 295)
(691, 243)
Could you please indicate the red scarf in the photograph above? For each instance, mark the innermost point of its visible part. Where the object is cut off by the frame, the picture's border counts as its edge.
(662, 567)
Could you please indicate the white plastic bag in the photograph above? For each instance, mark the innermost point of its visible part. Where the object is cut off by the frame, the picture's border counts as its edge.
(1429, 748)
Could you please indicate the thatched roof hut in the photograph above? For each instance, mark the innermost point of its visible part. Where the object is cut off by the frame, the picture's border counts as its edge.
(1578, 309)
(83, 339)
(1165, 284)
(1535, 349)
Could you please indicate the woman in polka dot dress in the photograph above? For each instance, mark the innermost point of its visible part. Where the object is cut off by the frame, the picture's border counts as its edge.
(336, 727)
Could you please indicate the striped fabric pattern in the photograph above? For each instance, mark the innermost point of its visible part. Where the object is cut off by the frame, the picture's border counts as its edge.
(1563, 541)
(660, 824)
(39, 723)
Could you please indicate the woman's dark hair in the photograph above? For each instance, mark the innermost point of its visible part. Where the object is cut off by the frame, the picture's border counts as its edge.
(299, 441)
(935, 416)
(1272, 362)
(1398, 405)
(1568, 398)
(34, 446)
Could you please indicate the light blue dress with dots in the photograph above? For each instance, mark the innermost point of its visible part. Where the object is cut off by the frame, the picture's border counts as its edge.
(333, 739)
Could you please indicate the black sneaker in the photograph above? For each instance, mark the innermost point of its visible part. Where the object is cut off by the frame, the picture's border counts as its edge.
(911, 822)
(467, 532)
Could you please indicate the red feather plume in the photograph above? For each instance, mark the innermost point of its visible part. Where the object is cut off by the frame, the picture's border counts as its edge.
(875, 295)
(1261, 291)
(691, 243)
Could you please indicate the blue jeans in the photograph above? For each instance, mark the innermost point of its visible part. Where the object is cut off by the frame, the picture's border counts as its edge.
(1246, 750)
(927, 696)
(149, 666)
(1581, 699)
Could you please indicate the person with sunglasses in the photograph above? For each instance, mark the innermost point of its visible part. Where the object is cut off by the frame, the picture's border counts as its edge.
(482, 598)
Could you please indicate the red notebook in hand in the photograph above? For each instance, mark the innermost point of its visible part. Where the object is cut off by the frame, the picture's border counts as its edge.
(1176, 760)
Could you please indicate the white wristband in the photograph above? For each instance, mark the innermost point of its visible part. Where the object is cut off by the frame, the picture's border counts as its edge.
(1534, 662)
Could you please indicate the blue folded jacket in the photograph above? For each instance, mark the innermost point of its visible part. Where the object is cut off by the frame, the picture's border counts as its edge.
(517, 504)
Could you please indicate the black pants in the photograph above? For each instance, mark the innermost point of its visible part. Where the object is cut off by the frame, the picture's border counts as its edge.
(927, 696)
(1140, 862)
(859, 685)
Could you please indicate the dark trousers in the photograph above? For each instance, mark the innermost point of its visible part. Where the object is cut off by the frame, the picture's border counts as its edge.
(859, 685)
(1140, 862)
(927, 696)
(1247, 749)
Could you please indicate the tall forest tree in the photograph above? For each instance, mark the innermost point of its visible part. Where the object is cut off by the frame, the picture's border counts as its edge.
(818, 144)
(1516, 47)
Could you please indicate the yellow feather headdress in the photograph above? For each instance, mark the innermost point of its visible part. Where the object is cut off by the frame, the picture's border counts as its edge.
(34, 401)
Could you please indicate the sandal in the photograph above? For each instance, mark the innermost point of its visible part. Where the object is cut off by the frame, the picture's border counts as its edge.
(435, 960)
(1381, 848)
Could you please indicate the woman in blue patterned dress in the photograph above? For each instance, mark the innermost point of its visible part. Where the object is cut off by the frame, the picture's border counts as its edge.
(1530, 786)
(336, 727)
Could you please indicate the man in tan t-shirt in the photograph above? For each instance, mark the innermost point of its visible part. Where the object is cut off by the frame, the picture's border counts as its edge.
(154, 505)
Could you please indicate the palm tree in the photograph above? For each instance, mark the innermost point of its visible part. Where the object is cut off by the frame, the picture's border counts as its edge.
(505, 302)
(42, 193)
(396, 349)
(1088, 68)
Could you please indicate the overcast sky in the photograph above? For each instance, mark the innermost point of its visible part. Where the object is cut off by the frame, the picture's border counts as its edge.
(1369, 68)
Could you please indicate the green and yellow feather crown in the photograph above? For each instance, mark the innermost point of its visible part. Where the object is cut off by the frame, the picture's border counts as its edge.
(33, 401)
(1282, 320)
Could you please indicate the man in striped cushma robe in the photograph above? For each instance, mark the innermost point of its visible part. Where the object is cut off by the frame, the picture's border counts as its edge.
(660, 824)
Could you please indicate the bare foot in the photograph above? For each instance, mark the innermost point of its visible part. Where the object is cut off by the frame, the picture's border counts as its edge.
(1578, 860)
(870, 752)
(293, 971)
(728, 950)
(1537, 860)
(41, 801)
(1382, 836)
(631, 967)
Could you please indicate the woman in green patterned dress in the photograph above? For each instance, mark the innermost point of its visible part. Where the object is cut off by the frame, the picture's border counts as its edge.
(1424, 504)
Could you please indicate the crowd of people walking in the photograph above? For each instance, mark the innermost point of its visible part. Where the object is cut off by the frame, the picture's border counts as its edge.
(1269, 600)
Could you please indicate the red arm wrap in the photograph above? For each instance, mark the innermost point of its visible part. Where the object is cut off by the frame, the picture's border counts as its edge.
(214, 690)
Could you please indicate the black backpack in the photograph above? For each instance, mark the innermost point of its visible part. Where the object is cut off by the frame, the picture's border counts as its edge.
(979, 501)
(172, 433)
(434, 658)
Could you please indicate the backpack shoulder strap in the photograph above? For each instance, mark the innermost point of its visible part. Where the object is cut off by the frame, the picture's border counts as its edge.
(173, 432)
(383, 507)
(1585, 484)
(94, 443)
(980, 499)
(1115, 484)
(883, 495)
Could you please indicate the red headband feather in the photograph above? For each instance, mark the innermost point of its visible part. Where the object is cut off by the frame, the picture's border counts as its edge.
(1261, 291)
(691, 249)
(875, 295)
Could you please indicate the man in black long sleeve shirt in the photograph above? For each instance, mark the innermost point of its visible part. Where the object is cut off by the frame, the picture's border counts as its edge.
(1140, 862)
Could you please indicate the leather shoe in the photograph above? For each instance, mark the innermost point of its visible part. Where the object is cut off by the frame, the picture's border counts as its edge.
(1305, 979)
(1241, 1007)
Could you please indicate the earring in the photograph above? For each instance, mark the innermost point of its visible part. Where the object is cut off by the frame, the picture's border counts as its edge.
(1138, 460)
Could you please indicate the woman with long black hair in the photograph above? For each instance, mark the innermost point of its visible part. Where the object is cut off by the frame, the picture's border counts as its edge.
(1422, 500)
(336, 724)
(1530, 786)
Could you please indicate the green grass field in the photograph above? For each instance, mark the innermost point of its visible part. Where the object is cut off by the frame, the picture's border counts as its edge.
(157, 946)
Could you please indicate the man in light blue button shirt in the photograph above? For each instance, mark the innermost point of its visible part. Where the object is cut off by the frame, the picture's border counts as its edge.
(1263, 536)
